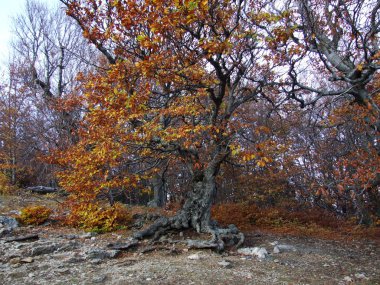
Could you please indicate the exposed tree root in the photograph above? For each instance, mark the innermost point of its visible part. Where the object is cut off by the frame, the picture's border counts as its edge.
(220, 237)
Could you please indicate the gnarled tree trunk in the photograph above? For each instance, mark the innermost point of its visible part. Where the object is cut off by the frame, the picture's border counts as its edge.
(196, 214)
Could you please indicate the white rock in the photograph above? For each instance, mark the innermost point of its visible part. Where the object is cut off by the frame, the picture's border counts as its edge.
(347, 279)
(195, 256)
(360, 276)
(283, 248)
(149, 279)
(260, 252)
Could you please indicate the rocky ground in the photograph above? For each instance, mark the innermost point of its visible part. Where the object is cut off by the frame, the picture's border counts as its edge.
(55, 255)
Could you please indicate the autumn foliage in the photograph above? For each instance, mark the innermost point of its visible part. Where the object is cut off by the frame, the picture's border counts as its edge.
(270, 108)
(34, 215)
(96, 218)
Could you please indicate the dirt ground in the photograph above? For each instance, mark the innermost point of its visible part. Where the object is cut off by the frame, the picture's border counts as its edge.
(66, 256)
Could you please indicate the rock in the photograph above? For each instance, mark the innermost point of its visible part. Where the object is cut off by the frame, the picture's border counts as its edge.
(31, 237)
(70, 237)
(87, 235)
(42, 189)
(225, 264)
(201, 244)
(96, 261)
(148, 279)
(123, 246)
(15, 260)
(99, 279)
(360, 276)
(195, 256)
(27, 260)
(63, 271)
(276, 261)
(101, 254)
(68, 246)
(74, 259)
(283, 248)
(8, 223)
(43, 249)
(260, 252)
(347, 279)
(4, 232)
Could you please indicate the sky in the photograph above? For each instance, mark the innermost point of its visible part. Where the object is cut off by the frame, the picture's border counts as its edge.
(9, 9)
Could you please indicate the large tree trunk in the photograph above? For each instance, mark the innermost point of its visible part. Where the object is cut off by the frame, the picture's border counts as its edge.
(196, 214)
(196, 211)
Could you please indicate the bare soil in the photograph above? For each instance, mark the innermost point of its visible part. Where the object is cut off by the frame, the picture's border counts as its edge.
(315, 261)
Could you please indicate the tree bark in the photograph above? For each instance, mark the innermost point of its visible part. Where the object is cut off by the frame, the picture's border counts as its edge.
(196, 214)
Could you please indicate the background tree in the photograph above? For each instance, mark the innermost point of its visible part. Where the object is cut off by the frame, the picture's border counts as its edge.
(48, 52)
(339, 39)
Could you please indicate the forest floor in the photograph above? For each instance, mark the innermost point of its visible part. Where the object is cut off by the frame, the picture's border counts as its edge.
(69, 256)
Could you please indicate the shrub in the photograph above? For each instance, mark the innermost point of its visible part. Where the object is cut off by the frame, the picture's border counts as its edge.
(93, 217)
(34, 215)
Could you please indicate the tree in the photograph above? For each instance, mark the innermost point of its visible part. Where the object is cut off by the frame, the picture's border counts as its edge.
(51, 46)
(15, 143)
(48, 52)
(180, 75)
(340, 40)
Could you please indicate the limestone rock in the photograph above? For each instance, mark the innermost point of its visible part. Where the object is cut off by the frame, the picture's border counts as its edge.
(283, 248)
(260, 252)
(102, 254)
(225, 264)
(8, 222)
(43, 249)
(27, 260)
(195, 256)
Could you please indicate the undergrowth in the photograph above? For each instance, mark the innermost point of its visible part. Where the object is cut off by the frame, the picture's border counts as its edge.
(34, 215)
(99, 218)
(293, 221)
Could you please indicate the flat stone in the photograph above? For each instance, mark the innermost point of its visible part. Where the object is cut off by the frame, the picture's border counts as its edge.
(97, 253)
(31, 237)
(43, 249)
(27, 260)
(123, 246)
(15, 260)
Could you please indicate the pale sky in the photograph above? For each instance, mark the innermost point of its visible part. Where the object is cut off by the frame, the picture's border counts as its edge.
(9, 9)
